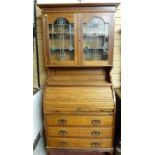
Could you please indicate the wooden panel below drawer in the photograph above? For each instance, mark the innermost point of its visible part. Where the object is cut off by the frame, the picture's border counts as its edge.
(75, 120)
(79, 142)
(95, 132)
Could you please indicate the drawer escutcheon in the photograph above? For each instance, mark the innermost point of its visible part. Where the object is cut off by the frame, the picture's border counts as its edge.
(62, 132)
(63, 143)
(95, 133)
(62, 121)
(96, 122)
(95, 144)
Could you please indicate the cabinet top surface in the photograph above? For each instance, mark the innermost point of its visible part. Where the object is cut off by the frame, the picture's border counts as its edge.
(78, 5)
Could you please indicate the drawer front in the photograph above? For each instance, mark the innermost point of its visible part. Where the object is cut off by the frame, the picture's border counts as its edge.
(75, 120)
(77, 142)
(93, 132)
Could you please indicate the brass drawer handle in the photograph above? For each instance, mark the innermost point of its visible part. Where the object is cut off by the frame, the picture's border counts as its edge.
(62, 121)
(95, 144)
(63, 143)
(62, 132)
(95, 133)
(96, 122)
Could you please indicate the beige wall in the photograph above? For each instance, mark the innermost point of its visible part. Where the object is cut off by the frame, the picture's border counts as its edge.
(116, 72)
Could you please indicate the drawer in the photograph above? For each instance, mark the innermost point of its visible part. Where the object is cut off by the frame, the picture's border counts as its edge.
(93, 132)
(79, 142)
(75, 120)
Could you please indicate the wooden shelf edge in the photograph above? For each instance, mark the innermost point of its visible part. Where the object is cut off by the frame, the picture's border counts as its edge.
(79, 85)
(49, 5)
(72, 66)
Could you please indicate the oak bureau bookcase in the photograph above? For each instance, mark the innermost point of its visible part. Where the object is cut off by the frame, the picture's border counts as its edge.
(79, 102)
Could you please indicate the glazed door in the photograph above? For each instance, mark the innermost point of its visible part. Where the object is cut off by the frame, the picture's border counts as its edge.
(96, 39)
(60, 39)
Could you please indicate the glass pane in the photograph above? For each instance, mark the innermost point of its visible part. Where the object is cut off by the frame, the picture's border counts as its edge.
(95, 39)
(61, 40)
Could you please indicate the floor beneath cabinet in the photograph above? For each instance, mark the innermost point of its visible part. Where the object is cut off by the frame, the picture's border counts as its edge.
(40, 147)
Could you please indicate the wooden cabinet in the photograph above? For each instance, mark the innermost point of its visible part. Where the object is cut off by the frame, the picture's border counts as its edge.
(79, 105)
